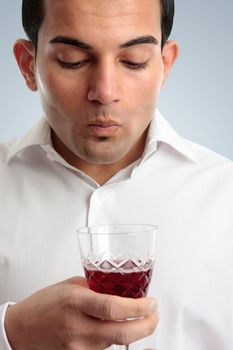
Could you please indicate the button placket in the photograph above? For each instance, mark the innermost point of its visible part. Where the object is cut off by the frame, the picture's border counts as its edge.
(94, 207)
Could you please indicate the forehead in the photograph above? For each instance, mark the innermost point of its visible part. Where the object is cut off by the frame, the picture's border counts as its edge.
(102, 18)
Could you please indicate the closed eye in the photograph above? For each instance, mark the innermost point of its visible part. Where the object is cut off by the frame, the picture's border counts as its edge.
(72, 65)
(80, 64)
(134, 65)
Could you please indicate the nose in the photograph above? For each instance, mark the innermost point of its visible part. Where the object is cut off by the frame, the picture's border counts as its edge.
(103, 84)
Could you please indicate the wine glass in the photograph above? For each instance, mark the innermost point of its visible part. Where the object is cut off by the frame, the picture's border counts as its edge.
(118, 259)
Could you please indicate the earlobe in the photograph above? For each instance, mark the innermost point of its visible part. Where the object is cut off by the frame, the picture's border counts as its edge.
(25, 56)
(169, 53)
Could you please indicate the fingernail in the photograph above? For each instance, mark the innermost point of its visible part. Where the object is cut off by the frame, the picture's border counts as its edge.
(153, 306)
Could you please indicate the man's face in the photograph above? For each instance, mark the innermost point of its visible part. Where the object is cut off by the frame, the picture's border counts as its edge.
(99, 96)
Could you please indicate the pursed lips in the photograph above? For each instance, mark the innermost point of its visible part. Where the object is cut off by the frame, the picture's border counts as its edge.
(104, 129)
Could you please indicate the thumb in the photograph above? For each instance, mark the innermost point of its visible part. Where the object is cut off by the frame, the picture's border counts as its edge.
(80, 281)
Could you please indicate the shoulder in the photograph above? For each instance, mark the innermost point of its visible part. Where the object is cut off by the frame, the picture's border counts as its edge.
(4, 150)
(211, 165)
(208, 157)
(205, 154)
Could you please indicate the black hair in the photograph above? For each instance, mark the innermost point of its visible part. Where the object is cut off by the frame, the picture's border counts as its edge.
(33, 15)
(167, 16)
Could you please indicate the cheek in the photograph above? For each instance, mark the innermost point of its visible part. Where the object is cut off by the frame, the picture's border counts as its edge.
(155, 79)
(152, 86)
(146, 95)
(57, 91)
(147, 85)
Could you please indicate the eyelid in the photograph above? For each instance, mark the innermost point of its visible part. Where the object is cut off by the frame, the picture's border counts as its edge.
(72, 65)
(135, 65)
(76, 65)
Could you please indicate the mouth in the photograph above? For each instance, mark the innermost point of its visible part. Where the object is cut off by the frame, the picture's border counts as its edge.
(104, 129)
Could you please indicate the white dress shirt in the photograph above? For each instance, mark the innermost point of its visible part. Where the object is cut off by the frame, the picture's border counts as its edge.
(183, 188)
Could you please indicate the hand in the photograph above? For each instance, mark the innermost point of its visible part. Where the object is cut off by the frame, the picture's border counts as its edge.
(70, 316)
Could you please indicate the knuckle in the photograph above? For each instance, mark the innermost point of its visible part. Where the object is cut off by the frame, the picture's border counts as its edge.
(74, 301)
(120, 337)
(70, 333)
(108, 309)
(69, 329)
(67, 299)
(139, 309)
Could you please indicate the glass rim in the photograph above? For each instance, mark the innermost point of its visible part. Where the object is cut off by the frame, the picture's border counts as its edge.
(85, 230)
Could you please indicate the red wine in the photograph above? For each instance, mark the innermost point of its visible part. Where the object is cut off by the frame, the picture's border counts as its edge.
(131, 283)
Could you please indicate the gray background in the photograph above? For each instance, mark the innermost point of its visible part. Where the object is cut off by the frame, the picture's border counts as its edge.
(197, 99)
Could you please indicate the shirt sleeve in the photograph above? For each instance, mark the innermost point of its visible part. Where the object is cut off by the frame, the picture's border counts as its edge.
(4, 344)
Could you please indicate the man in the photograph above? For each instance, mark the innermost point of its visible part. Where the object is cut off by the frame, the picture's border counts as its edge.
(104, 154)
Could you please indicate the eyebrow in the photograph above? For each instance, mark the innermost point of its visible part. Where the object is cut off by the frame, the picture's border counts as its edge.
(146, 39)
(71, 41)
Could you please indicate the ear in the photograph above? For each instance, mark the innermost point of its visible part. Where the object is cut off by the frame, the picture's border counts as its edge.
(169, 54)
(24, 52)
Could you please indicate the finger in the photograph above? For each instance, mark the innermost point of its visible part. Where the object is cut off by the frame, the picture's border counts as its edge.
(93, 344)
(108, 307)
(126, 332)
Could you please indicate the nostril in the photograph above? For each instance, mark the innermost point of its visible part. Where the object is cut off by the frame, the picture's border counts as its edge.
(96, 102)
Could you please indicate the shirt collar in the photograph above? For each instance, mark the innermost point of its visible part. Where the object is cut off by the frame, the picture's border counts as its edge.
(39, 134)
(159, 131)
(163, 132)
